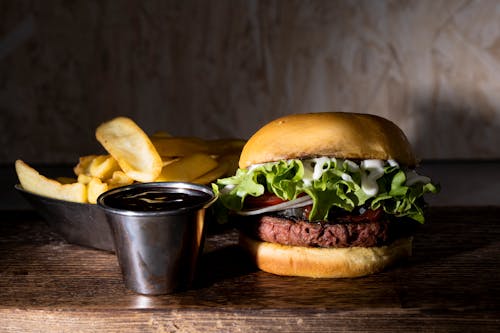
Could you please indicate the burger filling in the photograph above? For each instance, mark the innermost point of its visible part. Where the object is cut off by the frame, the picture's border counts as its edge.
(368, 229)
(324, 189)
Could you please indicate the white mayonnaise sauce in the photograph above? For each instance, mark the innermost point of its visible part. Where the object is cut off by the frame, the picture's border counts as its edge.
(308, 172)
(351, 166)
(393, 163)
(322, 164)
(371, 170)
(314, 168)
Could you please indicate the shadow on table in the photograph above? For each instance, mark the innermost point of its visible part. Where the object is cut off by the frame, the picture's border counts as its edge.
(223, 264)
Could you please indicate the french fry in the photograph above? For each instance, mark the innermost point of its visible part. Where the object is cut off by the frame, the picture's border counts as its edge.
(219, 171)
(84, 179)
(131, 148)
(94, 189)
(31, 180)
(225, 146)
(227, 166)
(232, 163)
(118, 179)
(103, 167)
(184, 146)
(167, 160)
(169, 147)
(187, 168)
(83, 166)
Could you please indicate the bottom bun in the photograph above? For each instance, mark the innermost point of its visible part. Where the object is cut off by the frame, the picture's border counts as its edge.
(324, 262)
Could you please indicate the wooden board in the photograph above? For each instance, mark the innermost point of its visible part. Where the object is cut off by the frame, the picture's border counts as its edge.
(450, 284)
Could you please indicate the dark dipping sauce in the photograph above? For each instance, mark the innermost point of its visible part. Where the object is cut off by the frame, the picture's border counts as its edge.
(156, 199)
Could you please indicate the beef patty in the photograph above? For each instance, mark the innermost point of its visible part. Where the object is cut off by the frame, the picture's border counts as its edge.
(365, 230)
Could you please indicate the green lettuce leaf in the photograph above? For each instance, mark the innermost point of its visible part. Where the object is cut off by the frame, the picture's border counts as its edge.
(339, 185)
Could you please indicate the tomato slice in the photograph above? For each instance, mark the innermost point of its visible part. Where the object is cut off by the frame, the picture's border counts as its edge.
(265, 200)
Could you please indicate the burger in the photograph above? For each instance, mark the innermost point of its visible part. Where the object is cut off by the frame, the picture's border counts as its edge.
(326, 195)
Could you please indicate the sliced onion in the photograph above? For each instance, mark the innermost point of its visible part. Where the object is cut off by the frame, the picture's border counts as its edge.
(299, 202)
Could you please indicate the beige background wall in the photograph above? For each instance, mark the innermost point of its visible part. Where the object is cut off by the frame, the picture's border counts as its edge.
(223, 68)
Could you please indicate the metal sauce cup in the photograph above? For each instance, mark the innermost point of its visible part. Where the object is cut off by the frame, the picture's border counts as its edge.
(158, 231)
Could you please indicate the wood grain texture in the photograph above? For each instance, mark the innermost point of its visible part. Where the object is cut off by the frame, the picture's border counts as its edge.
(450, 284)
(224, 68)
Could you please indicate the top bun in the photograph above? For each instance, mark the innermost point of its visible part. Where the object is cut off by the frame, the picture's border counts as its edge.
(333, 134)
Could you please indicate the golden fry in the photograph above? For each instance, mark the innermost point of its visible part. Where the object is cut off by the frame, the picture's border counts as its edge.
(95, 188)
(169, 147)
(167, 160)
(83, 166)
(103, 167)
(31, 180)
(84, 179)
(225, 146)
(118, 179)
(184, 146)
(232, 163)
(131, 148)
(187, 168)
(219, 171)
(228, 164)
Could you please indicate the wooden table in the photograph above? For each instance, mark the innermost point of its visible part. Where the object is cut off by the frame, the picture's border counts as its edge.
(452, 283)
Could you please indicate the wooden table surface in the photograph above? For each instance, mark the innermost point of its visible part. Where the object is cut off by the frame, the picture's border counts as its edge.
(452, 283)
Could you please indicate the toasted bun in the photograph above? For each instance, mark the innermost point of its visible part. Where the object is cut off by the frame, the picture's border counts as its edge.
(324, 262)
(334, 134)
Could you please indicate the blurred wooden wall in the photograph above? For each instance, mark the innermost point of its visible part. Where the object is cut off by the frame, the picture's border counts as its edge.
(223, 68)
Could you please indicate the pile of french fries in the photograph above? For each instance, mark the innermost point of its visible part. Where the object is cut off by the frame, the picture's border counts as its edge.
(133, 156)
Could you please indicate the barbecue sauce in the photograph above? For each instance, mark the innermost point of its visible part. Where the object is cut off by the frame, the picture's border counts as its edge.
(159, 199)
